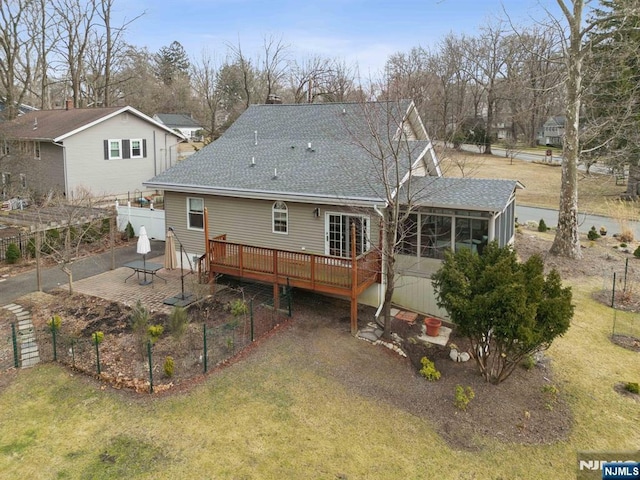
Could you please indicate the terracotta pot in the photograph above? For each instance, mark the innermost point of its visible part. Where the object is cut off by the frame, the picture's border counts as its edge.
(433, 326)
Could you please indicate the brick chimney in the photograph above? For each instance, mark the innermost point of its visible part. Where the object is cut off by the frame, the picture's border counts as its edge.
(69, 104)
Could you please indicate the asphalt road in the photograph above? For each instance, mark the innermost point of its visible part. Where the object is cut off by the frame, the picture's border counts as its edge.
(585, 222)
(53, 277)
(537, 157)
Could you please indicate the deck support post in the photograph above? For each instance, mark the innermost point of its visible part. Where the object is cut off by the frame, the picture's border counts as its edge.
(276, 286)
(354, 282)
(207, 247)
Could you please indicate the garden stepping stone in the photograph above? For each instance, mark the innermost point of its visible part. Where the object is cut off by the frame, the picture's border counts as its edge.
(29, 354)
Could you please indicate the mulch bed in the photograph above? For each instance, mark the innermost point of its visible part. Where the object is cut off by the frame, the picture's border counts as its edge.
(517, 410)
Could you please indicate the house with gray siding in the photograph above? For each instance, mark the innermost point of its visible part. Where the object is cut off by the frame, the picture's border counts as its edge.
(107, 151)
(298, 193)
(552, 132)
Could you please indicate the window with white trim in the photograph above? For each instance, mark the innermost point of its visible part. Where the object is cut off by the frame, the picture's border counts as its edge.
(124, 148)
(115, 149)
(195, 213)
(23, 180)
(280, 217)
(136, 148)
(36, 150)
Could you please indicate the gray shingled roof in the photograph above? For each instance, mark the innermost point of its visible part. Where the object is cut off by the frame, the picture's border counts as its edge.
(177, 120)
(462, 193)
(336, 165)
(53, 125)
(50, 124)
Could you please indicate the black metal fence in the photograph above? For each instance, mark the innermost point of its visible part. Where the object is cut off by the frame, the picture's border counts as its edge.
(24, 241)
(145, 362)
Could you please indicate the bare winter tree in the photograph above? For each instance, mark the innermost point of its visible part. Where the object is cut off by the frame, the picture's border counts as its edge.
(76, 25)
(112, 43)
(486, 57)
(274, 63)
(321, 79)
(388, 140)
(205, 75)
(247, 73)
(534, 80)
(80, 222)
(15, 55)
(44, 36)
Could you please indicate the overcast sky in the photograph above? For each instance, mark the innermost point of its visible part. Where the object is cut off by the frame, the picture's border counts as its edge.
(362, 31)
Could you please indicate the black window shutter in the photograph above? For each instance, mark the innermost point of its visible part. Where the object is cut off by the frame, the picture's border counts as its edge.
(144, 147)
(126, 149)
(106, 149)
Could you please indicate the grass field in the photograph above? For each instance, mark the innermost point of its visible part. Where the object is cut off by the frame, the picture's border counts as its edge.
(541, 181)
(271, 417)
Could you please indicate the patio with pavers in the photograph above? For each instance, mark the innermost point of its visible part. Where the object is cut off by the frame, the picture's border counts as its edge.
(111, 285)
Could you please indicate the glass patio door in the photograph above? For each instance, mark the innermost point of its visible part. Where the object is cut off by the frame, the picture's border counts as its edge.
(338, 234)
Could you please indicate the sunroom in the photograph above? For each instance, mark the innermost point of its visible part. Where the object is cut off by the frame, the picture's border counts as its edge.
(448, 213)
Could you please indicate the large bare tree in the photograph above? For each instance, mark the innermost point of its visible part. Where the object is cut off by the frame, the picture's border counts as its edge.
(15, 55)
(486, 57)
(205, 75)
(566, 242)
(76, 25)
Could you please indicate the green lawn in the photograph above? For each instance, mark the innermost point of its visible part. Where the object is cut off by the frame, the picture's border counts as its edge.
(271, 417)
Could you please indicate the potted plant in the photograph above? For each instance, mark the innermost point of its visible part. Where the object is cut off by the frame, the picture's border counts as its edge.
(603, 230)
(433, 326)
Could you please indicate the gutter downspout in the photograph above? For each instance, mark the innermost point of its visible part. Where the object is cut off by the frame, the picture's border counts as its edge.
(383, 273)
(64, 167)
(155, 156)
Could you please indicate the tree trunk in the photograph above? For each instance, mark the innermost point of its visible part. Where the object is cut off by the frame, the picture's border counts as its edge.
(69, 275)
(389, 260)
(567, 242)
(633, 182)
(489, 129)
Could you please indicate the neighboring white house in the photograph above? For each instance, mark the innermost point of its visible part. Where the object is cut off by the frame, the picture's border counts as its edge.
(108, 151)
(181, 122)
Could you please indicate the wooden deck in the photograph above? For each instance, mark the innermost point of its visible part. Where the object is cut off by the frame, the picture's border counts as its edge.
(319, 273)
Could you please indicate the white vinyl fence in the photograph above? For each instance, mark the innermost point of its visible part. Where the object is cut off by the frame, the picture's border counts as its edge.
(152, 220)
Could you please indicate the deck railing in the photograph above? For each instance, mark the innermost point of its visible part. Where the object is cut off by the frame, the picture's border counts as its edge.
(306, 270)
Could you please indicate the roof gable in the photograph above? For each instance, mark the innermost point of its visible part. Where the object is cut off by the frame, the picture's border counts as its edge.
(305, 150)
(56, 125)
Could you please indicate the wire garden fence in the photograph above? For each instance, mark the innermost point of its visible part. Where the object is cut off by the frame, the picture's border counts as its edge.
(623, 291)
(163, 354)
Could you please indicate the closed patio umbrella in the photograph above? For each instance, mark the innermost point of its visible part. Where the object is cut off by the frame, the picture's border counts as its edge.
(170, 259)
(143, 248)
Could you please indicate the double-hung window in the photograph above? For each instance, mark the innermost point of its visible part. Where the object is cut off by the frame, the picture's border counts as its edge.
(195, 213)
(115, 149)
(136, 148)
